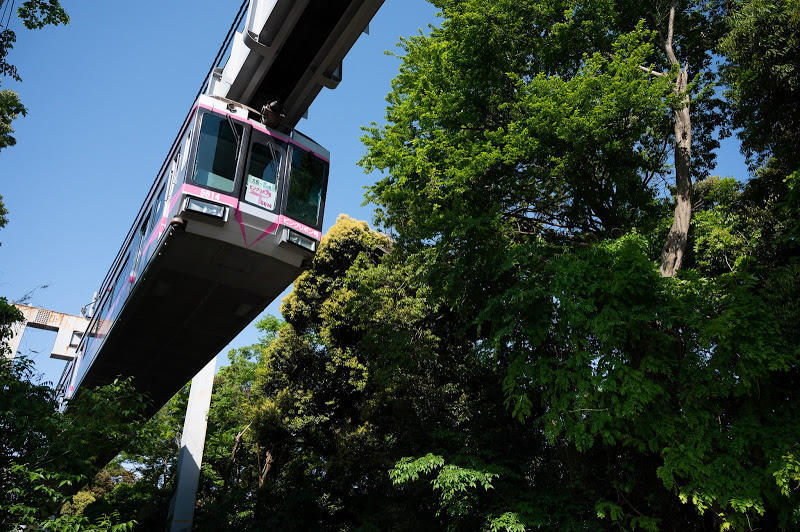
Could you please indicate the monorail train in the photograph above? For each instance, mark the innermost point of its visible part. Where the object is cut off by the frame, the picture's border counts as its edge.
(231, 220)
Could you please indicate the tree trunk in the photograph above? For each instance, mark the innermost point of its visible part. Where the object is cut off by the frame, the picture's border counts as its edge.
(236, 441)
(267, 466)
(675, 247)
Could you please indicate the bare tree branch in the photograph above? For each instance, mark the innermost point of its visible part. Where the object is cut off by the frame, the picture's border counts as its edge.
(670, 32)
(236, 441)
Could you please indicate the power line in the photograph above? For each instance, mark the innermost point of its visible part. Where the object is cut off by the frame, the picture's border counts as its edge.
(10, 12)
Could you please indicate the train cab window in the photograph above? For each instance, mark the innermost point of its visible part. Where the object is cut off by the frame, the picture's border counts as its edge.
(306, 187)
(217, 147)
(261, 184)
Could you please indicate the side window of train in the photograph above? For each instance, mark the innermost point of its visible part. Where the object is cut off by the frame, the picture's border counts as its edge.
(94, 325)
(152, 224)
(261, 182)
(161, 209)
(217, 150)
(155, 213)
(120, 286)
(102, 318)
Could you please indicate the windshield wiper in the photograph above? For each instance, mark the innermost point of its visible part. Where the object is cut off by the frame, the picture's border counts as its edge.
(235, 133)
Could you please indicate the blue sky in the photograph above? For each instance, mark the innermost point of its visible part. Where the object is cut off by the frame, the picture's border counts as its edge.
(106, 95)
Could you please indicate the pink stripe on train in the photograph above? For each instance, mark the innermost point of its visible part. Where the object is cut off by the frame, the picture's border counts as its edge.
(193, 190)
(203, 193)
(297, 226)
(233, 202)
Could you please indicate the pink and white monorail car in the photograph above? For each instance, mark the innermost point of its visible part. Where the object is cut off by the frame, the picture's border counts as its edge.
(232, 218)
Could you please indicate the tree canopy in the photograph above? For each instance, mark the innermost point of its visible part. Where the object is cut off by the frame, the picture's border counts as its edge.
(527, 152)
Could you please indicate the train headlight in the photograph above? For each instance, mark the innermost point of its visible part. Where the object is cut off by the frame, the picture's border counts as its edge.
(204, 207)
(302, 241)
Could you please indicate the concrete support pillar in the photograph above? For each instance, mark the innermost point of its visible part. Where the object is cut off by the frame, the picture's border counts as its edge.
(192, 443)
(17, 330)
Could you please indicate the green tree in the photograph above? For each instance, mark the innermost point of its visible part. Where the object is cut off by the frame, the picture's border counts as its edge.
(551, 64)
(140, 483)
(523, 151)
(3, 213)
(45, 455)
(34, 15)
(372, 369)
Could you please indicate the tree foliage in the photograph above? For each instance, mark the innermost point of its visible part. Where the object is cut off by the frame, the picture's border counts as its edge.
(524, 150)
(45, 455)
(371, 367)
(3, 214)
(140, 483)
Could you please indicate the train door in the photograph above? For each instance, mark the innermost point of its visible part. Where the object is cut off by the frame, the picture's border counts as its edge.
(155, 226)
(137, 246)
(172, 181)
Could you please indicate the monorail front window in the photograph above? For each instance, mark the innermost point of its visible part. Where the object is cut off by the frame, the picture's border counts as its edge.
(217, 147)
(306, 187)
(261, 183)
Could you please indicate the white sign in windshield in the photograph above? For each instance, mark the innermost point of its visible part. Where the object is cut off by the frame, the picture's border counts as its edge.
(261, 192)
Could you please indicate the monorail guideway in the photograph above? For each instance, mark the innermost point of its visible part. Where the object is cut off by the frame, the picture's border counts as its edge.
(235, 212)
(288, 50)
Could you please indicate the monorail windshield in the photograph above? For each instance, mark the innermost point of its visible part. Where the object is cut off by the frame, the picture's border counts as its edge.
(306, 188)
(261, 184)
(217, 150)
